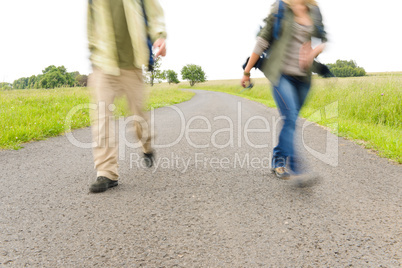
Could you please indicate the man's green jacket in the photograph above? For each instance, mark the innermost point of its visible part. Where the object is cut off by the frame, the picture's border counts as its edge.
(102, 32)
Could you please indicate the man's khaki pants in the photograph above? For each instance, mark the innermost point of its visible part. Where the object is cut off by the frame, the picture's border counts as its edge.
(105, 88)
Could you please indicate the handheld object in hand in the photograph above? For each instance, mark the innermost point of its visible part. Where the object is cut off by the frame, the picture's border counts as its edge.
(250, 86)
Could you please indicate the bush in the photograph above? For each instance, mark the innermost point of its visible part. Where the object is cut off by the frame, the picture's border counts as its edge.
(343, 68)
(5, 86)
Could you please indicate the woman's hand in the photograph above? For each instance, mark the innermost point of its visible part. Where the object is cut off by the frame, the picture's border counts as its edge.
(307, 55)
(245, 80)
(246, 75)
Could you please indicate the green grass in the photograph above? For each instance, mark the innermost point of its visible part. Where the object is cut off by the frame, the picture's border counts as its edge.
(29, 115)
(365, 109)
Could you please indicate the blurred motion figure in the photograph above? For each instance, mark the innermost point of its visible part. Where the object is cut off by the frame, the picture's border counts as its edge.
(288, 68)
(118, 34)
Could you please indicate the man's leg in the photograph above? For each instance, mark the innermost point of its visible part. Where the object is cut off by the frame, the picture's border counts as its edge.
(103, 89)
(134, 88)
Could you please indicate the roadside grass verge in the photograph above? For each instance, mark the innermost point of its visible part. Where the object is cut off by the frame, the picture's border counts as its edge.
(367, 109)
(36, 114)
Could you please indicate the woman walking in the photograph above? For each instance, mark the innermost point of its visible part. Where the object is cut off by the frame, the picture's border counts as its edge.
(288, 68)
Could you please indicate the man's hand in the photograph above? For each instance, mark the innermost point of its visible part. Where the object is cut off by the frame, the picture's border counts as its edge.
(161, 44)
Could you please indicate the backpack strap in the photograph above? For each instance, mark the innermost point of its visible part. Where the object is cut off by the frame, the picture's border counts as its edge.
(281, 13)
(318, 21)
(278, 20)
(149, 43)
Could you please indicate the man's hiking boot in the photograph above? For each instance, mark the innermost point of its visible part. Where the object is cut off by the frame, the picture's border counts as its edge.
(102, 184)
(149, 159)
(281, 173)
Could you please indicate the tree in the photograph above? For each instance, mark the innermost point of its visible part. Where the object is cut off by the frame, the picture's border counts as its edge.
(343, 68)
(193, 73)
(32, 81)
(21, 83)
(51, 77)
(37, 83)
(171, 77)
(155, 74)
(5, 86)
(56, 77)
(82, 80)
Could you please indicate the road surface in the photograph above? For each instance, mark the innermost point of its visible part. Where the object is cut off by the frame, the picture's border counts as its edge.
(209, 201)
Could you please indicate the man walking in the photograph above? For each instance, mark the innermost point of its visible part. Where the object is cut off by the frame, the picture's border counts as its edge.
(118, 32)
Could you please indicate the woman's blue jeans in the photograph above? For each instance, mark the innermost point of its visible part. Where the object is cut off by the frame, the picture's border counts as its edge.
(289, 95)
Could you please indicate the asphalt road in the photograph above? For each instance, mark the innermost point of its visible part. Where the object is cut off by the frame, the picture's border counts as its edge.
(209, 201)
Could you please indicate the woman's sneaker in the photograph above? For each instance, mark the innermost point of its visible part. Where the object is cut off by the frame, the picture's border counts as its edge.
(281, 173)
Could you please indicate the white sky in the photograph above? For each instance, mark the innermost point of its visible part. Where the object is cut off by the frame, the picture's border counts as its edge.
(218, 35)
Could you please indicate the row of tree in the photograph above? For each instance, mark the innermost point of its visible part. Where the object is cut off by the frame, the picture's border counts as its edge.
(51, 77)
(343, 68)
(191, 72)
(55, 77)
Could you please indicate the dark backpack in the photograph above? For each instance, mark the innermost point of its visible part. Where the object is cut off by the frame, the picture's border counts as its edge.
(318, 67)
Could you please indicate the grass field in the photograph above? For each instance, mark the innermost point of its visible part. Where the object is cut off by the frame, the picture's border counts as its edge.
(365, 109)
(28, 115)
